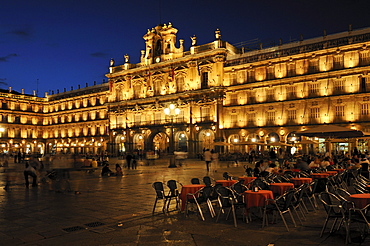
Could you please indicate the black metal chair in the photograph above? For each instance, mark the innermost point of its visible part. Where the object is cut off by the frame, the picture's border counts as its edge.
(228, 201)
(160, 195)
(281, 205)
(333, 207)
(358, 216)
(173, 193)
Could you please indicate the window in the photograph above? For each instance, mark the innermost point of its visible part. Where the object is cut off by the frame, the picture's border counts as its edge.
(313, 89)
(270, 95)
(338, 85)
(365, 109)
(251, 118)
(137, 119)
(204, 80)
(271, 116)
(314, 113)
(291, 91)
(339, 111)
(234, 119)
(292, 114)
(233, 99)
(205, 113)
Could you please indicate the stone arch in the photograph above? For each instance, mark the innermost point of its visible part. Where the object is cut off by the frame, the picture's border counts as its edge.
(206, 139)
(158, 141)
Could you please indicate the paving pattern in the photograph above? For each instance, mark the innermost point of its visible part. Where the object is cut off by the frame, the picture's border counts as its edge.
(118, 211)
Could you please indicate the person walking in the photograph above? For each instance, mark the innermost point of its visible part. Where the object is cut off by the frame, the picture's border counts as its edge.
(128, 160)
(30, 171)
(207, 158)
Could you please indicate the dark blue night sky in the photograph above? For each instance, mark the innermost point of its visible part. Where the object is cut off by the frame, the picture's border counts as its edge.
(55, 44)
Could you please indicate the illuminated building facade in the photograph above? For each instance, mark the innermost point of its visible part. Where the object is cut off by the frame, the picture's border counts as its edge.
(69, 122)
(210, 96)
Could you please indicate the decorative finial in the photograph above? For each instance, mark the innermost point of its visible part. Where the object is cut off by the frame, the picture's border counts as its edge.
(193, 40)
(218, 34)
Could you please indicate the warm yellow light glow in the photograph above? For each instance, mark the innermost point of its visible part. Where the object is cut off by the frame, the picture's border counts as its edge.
(167, 111)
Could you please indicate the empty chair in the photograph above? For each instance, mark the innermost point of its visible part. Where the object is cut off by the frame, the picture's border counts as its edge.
(333, 209)
(280, 205)
(239, 188)
(173, 193)
(342, 194)
(160, 195)
(228, 201)
(195, 181)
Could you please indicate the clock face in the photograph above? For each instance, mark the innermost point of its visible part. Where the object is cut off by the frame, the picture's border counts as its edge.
(158, 59)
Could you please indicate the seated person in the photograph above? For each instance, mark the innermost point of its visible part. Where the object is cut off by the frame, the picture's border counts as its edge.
(315, 163)
(325, 163)
(119, 171)
(106, 171)
(272, 168)
(94, 163)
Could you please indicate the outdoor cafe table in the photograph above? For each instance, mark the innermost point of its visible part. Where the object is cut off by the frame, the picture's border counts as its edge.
(257, 199)
(280, 188)
(319, 175)
(339, 170)
(247, 180)
(331, 173)
(360, 200)
(298, 181)
(186, 189)
(226, 182)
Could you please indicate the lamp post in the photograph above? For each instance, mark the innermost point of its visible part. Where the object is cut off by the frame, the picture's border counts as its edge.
(172, 111)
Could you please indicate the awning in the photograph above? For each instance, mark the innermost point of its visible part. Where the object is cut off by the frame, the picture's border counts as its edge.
(331, 131)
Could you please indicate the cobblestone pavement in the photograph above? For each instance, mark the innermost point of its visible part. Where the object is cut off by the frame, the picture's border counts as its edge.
(118, 211)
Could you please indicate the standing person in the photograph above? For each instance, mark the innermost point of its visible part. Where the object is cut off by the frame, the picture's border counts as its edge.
(214, 157)
(30, 171)
(207, 158)
(128, 160)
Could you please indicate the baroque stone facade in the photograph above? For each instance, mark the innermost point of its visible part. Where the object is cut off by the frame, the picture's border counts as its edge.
(214, 95)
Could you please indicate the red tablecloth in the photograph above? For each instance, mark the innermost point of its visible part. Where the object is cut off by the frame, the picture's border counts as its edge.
(360, 200)
(332, 173)
(339, 170)
(226, 182)
(247, 179)
(299, 181)
(319, 175)
(186, 189)
(257, 199)
(281, 188)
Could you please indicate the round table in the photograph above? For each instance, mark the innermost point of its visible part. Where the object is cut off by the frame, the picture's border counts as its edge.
(299, 181)
(226, 182)
(319, 175)
(280, 188)
(360, 200)
(247, 180)
(186, 189)
(332, 173)
(257, 199)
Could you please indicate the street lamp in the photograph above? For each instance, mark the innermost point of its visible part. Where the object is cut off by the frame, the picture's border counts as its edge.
(172, 111)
